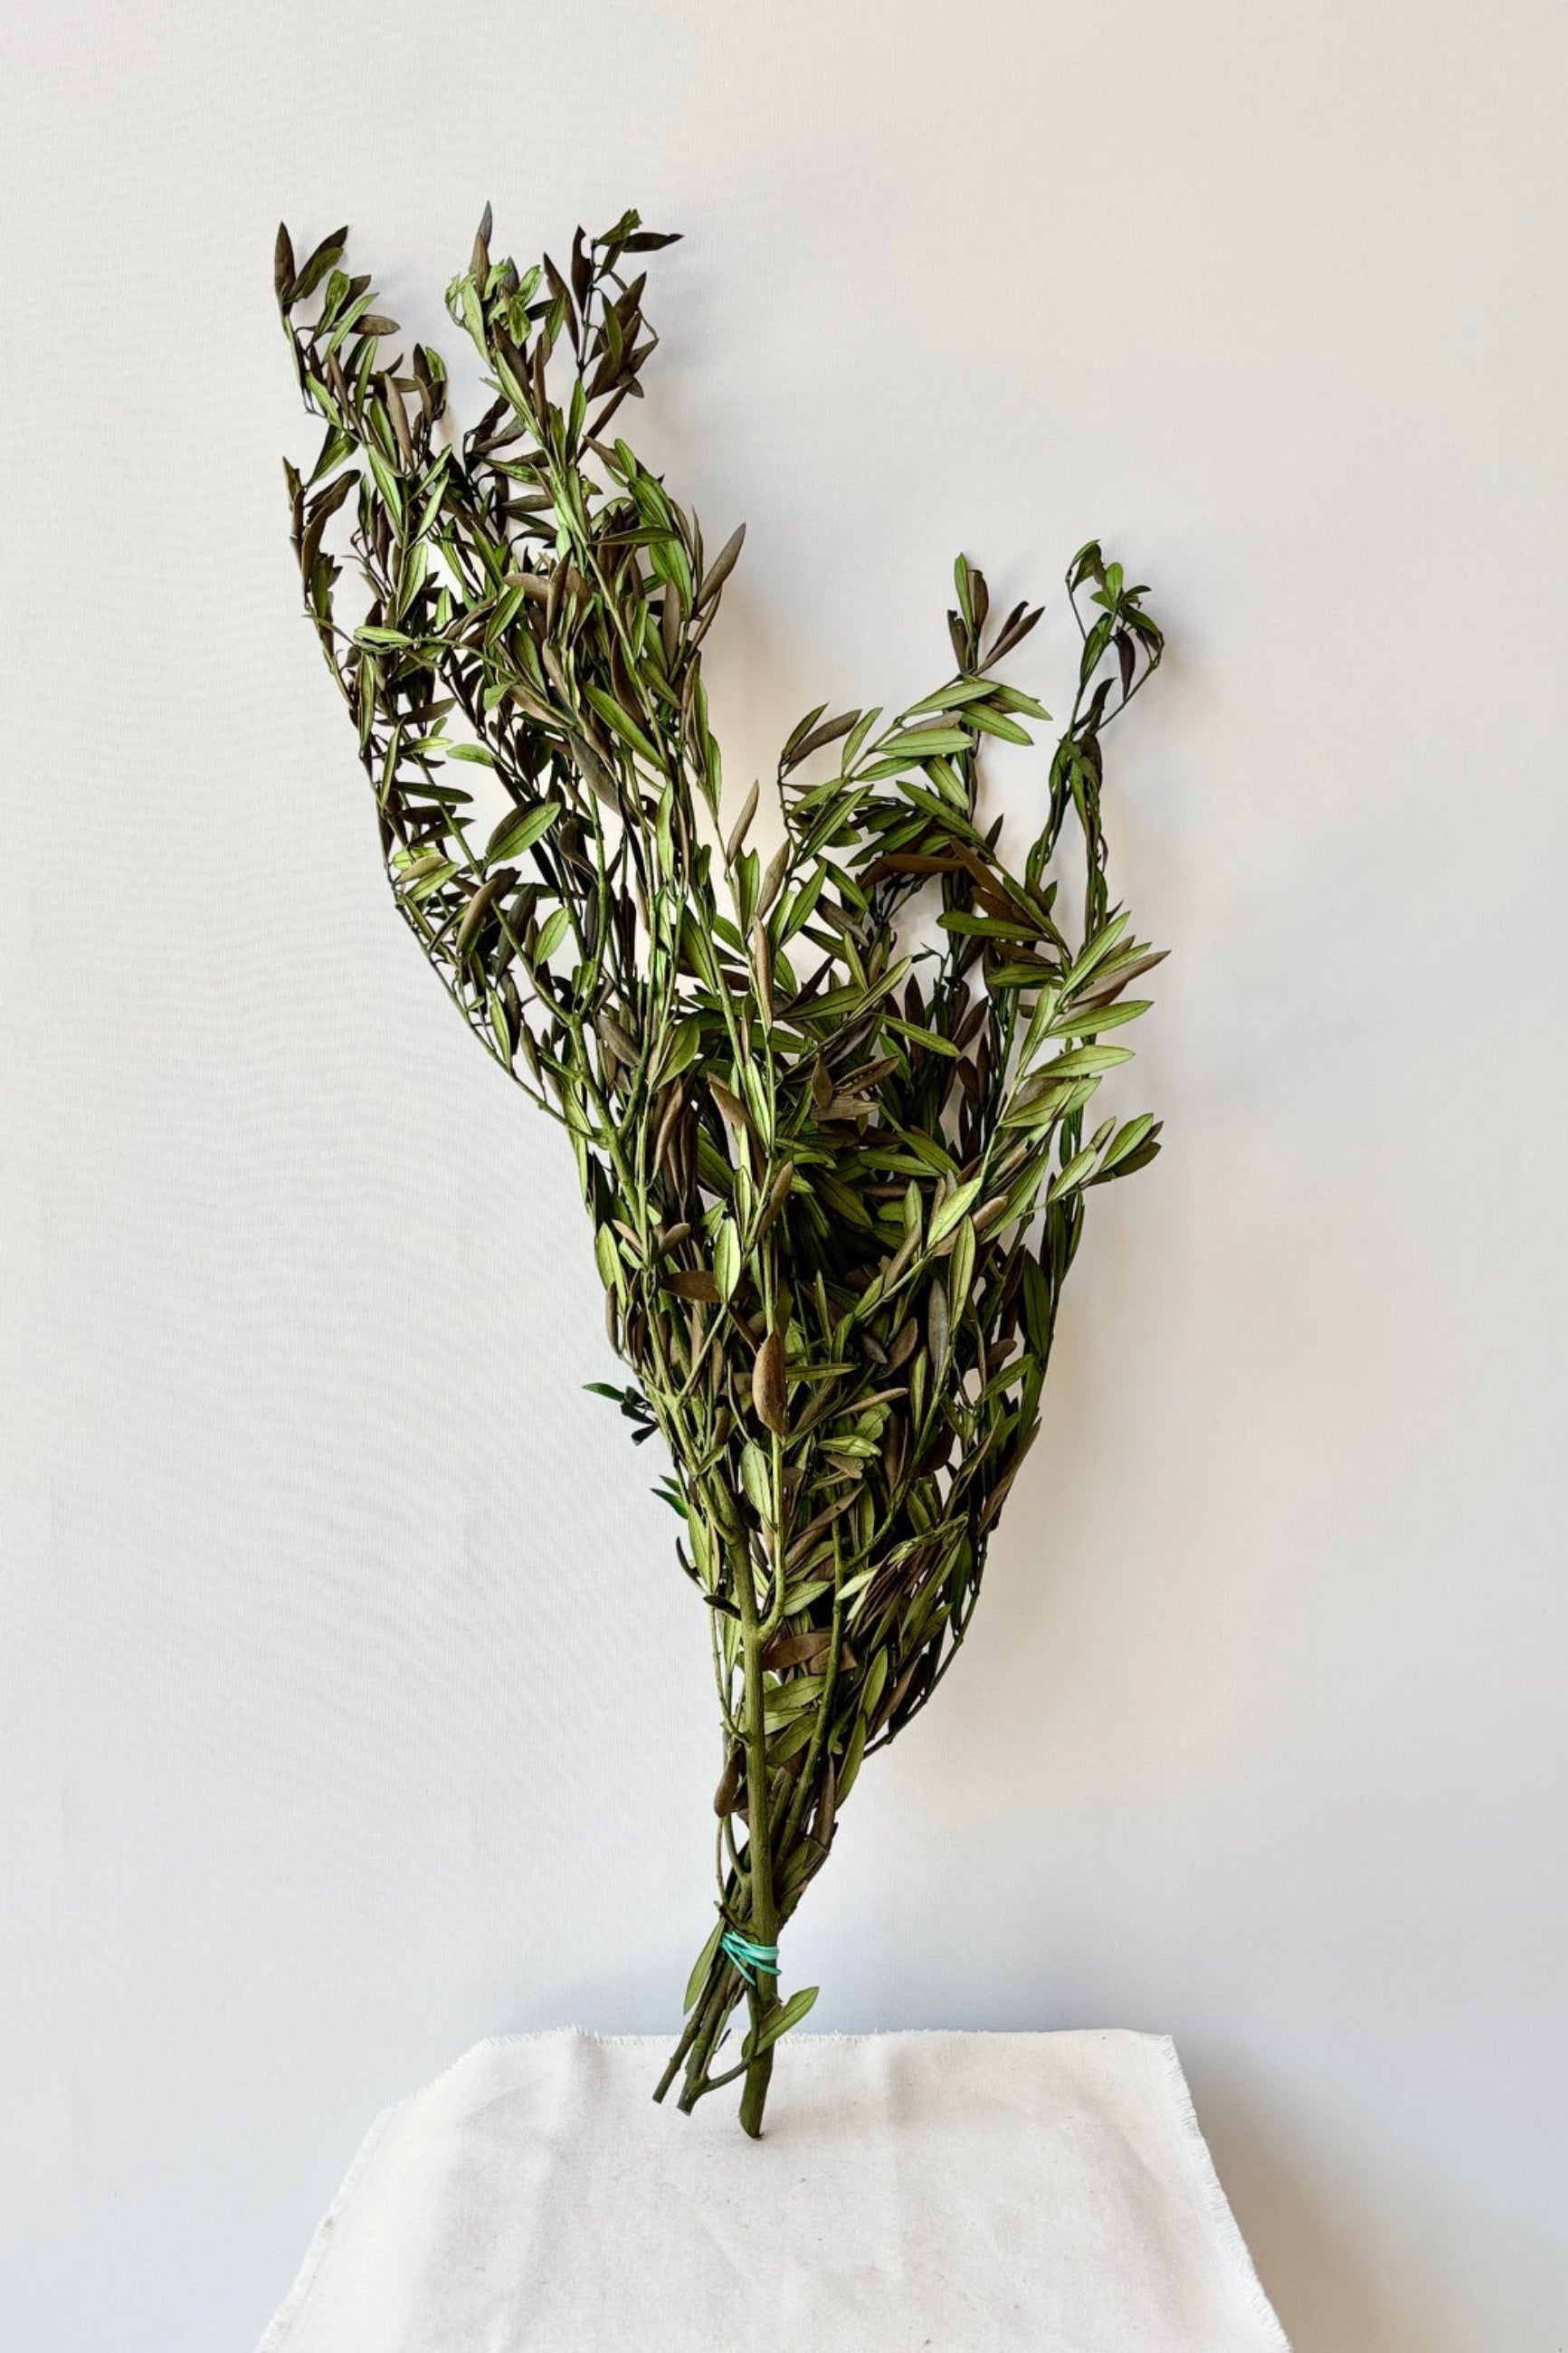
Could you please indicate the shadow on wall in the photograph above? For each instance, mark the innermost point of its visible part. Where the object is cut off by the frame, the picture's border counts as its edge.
(1324, 2277)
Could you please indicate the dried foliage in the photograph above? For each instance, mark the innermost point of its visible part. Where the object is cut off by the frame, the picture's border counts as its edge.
(836, 1177)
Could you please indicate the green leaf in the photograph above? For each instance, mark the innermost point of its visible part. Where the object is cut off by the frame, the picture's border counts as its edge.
(727, 1258)
(681, 1051)
(757, 1481)
(778, 2021)
(1073, 1175)
(521, 830)
(551, 936)
(952, 697)
(987, 927)
(938, 1327)
(960, 1269)
(1096, 951)
(1091, 1019)
(698, 1978)
(623, 724)
(1004, 977)
(608, 1257)
(852, 1757)
(420, 881)
(948, 1212)
(927, 1038)
(1126, 1141)
(857, 737)
(1128, 1166)
(1082, 1059)
(992, 723)
(923, 743)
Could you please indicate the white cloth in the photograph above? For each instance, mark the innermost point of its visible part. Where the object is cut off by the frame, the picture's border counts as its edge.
(954, 2193)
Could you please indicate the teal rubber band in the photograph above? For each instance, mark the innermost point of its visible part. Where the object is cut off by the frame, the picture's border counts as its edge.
(752, 1959)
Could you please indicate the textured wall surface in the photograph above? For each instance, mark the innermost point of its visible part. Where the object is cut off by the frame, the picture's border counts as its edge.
(351, 1706)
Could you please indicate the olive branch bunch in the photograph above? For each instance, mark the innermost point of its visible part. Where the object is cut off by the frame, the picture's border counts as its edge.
(837, 1177)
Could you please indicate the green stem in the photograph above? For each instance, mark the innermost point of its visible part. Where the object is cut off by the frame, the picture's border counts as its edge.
(760, 1870)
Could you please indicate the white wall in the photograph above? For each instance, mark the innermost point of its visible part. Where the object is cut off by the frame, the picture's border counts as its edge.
(350, 1706)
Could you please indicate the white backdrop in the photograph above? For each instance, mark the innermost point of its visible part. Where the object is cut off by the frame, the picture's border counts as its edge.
(350, 1704)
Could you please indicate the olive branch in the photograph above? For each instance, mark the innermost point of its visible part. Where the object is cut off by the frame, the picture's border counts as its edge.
(837, 1177)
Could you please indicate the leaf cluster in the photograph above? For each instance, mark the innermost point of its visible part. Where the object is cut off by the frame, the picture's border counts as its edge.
(829, 1106)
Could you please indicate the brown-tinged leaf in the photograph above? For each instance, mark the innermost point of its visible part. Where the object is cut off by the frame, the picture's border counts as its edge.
(730, 1104)
(909, 862)
(773, 881)
(819, 737)
(617, 1036)
(329, 251)
(769, 1393)
(777, 1196)
(667, 1118)
(693, 1283)
(719, 571)
(904, 1345)
(1115, 979)
(731, 1782)
(1013, 631)
(593, 771)
(797, 1650)
(480, 906)
(801, 1544)
(318, 514)
(742, 827)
